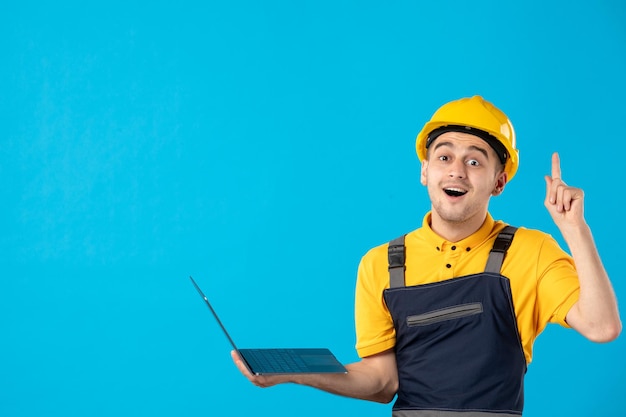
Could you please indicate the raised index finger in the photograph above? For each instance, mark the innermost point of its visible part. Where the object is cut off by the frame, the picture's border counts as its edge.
(556, 166)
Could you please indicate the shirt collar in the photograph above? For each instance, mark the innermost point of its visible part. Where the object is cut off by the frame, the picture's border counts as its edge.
(472, 241)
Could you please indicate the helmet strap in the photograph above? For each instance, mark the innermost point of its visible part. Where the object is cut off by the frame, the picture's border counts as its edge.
(491, 140)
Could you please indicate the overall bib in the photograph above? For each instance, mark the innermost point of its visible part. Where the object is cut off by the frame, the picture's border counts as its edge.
(458, 349)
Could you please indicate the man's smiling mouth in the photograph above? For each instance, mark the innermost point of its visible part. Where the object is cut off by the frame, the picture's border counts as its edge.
(455, 192)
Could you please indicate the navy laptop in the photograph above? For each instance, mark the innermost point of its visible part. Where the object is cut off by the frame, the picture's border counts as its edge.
(282, 361)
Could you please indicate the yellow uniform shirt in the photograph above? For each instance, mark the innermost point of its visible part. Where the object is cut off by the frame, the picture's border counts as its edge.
(544, 281)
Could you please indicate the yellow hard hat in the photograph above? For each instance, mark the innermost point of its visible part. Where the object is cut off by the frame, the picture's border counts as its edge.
(476, 116)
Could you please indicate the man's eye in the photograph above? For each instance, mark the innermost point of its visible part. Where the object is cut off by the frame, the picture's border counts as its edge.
(443, 158)
(473, 162)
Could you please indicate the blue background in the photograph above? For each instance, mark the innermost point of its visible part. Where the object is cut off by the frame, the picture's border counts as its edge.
(263, 147)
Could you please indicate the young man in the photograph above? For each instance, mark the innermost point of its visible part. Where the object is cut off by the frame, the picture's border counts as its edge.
(446, 315)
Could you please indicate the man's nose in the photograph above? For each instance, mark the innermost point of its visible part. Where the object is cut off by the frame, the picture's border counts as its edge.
(457, 169)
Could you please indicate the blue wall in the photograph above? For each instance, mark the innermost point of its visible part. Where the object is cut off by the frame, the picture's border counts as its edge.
(143, 142)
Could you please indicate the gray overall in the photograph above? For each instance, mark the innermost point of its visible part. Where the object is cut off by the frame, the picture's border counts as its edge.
(458, 349)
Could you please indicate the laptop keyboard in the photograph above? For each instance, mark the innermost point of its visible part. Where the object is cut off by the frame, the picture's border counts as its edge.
(276, 360)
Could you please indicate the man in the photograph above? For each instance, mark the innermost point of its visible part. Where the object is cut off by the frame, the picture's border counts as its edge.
(446, 315)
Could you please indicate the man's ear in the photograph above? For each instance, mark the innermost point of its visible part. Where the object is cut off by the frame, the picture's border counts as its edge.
(501, 181)
(423, 174)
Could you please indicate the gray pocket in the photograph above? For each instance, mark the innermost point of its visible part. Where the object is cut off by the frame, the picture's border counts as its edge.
(448, 313)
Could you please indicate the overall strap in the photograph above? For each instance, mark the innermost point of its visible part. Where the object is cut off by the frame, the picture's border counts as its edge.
(500, 246)
(397, 256)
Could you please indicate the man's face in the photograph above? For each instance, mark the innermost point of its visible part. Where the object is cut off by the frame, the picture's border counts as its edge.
(461, 173)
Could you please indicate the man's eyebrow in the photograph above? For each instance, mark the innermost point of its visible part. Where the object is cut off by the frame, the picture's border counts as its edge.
(472, 147)
(481, 150)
